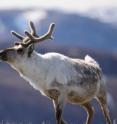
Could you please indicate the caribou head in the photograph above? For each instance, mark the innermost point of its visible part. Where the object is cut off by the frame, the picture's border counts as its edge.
(25, 46)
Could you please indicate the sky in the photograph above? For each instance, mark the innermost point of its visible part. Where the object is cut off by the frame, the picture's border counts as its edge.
(66, 5)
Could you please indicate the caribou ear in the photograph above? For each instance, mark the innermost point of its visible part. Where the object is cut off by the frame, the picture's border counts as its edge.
(30, 49)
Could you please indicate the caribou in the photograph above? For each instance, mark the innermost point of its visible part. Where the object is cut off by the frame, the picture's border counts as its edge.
(59, 77)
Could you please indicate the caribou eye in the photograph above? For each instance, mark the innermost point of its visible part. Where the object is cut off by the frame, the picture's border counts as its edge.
(17, 43)
(20, 51)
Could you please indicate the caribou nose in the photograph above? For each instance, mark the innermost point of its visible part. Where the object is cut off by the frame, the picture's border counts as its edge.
(3, 55)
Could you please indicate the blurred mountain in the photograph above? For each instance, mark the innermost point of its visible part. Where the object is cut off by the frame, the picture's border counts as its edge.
(71, 29)
(103, 14)
(85, 32)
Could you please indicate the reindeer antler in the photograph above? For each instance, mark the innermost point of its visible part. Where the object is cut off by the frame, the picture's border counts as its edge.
(32, 37)
(36, 39)
(17, 35)
(32, 28)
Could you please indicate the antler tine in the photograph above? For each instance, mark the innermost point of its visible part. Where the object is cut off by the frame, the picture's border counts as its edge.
(32, 27)
(17, 35)
(46, 36)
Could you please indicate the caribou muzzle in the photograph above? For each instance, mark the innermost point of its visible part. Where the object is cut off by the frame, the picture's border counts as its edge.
(3, 55)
